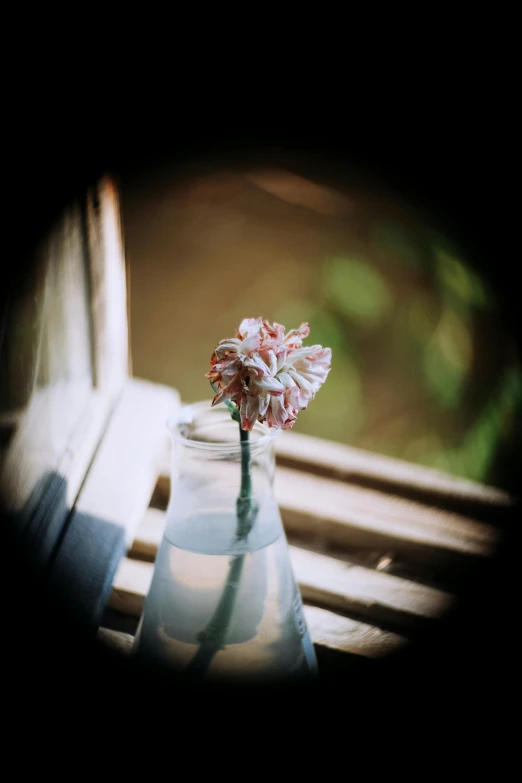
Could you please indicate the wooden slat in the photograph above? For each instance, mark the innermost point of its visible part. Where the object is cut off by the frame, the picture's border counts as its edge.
(353, 516)
(116, 640)
(336, 460)
(130, 586)
(122, 477)
(149, 535)
(333, 583)
(326, 629)
(350, 516)
(133, 579)
(372, 594)
(335, 632)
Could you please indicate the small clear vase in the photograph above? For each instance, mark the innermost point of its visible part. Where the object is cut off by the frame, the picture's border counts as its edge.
(223, 602)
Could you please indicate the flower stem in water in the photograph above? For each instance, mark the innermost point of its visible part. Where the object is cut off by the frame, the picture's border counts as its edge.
(213, 637)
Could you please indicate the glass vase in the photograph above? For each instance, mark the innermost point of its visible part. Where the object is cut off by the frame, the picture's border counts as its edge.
(223, 602)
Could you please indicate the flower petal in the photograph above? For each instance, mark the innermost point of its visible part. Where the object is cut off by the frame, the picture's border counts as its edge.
(276, 414)
(268, 374)
(250, 344)
(249, 410)
(295, 337)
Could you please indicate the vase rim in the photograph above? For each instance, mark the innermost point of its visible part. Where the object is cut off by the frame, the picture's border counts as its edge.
(186, 415)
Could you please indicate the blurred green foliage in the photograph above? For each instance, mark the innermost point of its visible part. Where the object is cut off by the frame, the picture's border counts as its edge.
(459, 284)
(421, 369)
(447, 358)
(424, 341)
(356, 289)
(394, 344)
(475, 454)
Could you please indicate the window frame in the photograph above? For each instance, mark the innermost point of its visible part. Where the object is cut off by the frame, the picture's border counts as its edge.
(41, 502)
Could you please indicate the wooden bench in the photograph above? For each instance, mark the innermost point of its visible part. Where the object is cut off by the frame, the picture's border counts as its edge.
(380, 548)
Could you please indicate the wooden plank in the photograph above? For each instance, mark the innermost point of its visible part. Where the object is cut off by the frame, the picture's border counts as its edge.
(356, 516)
(336, 460)
(116, 640)
(335, 632)
(121, 480)
(353, 516)
(326, 629)
(133, 579)
(149, 535)
(130, 586)
(373, 595)
(333, 583)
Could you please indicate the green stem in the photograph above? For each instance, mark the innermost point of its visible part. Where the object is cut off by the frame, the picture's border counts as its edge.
(213, 637)
(246, 506)
(246, 480)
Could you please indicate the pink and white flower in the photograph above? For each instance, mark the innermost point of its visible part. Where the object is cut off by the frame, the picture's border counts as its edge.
(270, 376)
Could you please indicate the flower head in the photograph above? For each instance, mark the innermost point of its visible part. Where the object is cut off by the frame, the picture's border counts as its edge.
(268, 374)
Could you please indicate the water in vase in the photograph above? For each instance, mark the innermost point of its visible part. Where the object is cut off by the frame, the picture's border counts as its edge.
(223, 608)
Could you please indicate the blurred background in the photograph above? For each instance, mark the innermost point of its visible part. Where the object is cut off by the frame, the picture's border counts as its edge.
(422, 367)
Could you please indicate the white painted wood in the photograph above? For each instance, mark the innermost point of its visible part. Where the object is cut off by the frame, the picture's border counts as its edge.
(120, 482)
(57, 434)
(32, 453)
